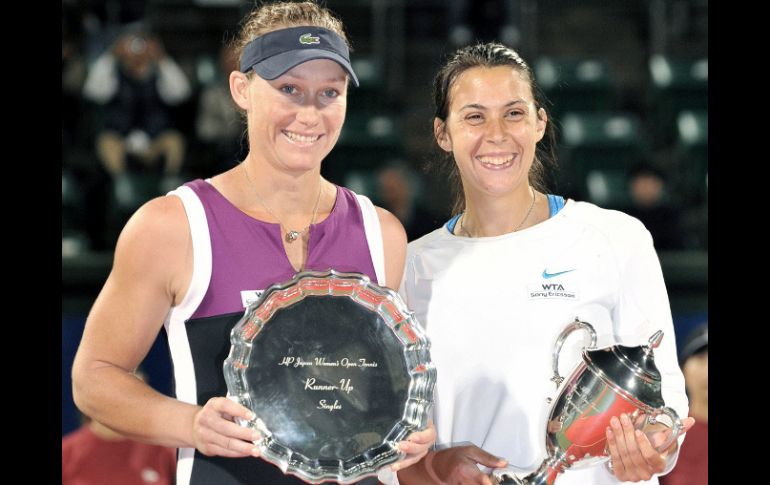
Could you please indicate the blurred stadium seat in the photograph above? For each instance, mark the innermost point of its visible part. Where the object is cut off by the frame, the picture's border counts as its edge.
(676, 85)
(576, 84)
(598, 149)
(691, 151)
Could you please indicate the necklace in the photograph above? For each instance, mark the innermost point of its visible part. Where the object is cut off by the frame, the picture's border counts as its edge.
(290, 235)
(461, 229)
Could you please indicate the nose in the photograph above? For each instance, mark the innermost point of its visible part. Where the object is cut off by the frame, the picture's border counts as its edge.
(496, 131)
(308, 114)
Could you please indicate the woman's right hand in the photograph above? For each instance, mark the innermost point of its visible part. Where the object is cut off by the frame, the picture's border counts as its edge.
(216, 433)
(458, 465)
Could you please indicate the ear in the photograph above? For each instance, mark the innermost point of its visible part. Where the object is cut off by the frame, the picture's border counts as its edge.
(542, 121)
(239, 89)
(441, 135)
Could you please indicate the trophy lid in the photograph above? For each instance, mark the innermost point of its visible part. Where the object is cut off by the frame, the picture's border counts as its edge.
(632, 369)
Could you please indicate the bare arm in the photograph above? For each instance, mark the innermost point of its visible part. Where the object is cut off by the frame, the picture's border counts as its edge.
(123, 324)
(151, 272)
(394, 245)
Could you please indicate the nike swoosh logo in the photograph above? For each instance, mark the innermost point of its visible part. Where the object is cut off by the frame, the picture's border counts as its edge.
(547, 275)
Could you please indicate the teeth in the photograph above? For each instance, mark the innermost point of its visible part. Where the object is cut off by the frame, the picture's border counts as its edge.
(301, 138)
(495, 160)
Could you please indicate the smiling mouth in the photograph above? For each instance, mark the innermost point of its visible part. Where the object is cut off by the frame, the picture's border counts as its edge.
(297, 139)
(497, 162)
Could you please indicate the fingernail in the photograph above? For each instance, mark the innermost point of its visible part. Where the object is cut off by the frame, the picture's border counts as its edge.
(403, 446)
(255, 451)
(614, 421)
(255, 436)
(394, 468)
(638, 433)
(252, 416)
(624, 419)
(609, 433)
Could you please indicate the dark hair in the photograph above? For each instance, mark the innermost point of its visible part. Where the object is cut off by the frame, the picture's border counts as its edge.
(489, 55)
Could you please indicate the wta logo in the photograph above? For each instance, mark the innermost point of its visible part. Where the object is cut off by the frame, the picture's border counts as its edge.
(549, 291)
(309, 39)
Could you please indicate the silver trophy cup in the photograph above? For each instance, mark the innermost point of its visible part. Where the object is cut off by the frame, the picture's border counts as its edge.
(607, 382)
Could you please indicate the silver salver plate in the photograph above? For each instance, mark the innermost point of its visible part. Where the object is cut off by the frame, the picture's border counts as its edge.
(337, 371)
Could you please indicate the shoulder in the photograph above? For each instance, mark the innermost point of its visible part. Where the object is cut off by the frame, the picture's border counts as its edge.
(618, 228)
(160, 219)
(437, 236)
(390, 224)
(436, 240)
(393, 237)
(394, 246)
(156, 237)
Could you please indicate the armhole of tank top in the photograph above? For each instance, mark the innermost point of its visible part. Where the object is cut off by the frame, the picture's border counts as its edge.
(179, 346)
(201, 242)
(373, 236)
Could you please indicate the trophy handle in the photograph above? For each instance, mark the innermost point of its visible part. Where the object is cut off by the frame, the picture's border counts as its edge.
(576, 325)
(675, 427)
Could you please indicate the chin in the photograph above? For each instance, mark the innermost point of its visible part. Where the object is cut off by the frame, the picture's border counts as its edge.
(302, 163)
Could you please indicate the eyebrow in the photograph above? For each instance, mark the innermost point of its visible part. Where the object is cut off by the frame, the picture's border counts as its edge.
(328, 80)
(480, 106)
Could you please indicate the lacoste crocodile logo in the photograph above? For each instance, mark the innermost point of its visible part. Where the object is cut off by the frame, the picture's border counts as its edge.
(309, 39)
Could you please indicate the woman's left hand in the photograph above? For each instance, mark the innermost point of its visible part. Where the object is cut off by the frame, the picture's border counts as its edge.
(416, 446)
(632, 456)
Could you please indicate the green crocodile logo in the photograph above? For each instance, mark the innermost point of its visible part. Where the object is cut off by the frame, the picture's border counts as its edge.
(309, 39)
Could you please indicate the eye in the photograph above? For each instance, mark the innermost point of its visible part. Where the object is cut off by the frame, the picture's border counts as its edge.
(331, 93)
(516, 113)
(288, 89)
(474, 118)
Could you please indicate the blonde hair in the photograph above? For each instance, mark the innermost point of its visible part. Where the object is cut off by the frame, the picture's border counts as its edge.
(280, 15)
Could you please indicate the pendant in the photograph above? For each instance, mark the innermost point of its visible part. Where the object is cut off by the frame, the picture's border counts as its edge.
(291, 236)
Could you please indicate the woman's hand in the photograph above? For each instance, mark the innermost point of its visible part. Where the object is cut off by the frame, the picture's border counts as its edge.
(216, 434)
(416, 446)
(458, 465)
(634, 457)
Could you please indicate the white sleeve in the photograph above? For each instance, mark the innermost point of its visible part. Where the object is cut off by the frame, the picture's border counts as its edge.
(102, 81)
(407, 287)
(642, 309)
(173, 85)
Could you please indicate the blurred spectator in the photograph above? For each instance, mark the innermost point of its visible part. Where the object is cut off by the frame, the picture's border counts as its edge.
(218, 123)
(649, 204)
(96, 455)
(137, 82)
(397, 189)
(73, 73)
(692, 465)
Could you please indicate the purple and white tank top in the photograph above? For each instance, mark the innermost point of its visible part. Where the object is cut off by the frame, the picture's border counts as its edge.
(235, 258)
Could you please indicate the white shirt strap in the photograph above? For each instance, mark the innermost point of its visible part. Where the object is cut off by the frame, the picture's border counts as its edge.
(373, 237)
